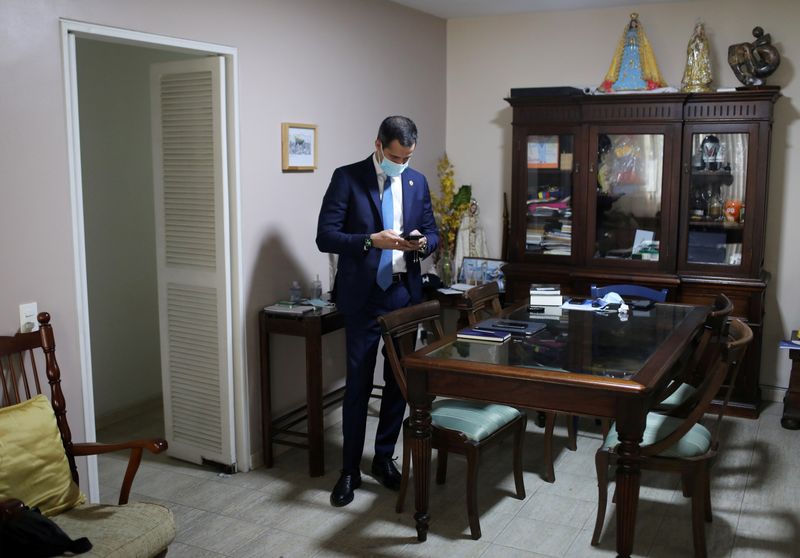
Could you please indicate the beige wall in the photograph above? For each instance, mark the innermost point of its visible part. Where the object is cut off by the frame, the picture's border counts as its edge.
(342, 65)
(488, 56)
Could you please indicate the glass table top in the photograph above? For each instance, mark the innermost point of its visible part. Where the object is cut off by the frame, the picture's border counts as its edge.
(578, 342)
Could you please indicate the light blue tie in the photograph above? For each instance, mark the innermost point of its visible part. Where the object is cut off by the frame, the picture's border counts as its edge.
(387, 211)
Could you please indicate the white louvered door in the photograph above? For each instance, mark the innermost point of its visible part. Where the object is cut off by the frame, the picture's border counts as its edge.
(193, 257)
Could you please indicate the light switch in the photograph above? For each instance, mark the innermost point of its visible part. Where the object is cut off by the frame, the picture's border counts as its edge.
(27, 317)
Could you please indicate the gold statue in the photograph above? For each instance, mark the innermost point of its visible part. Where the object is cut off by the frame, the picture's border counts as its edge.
(697, 75)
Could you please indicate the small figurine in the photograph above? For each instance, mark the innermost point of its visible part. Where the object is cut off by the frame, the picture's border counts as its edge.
(697, 74)
(471, 239)
(633, 67)
(753, 63)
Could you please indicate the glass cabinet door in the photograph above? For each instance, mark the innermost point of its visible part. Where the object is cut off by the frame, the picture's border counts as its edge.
(717, 188)
(550, 163)
(629, 172)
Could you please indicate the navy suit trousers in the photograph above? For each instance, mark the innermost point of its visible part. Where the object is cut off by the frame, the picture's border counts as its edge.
(363, 335)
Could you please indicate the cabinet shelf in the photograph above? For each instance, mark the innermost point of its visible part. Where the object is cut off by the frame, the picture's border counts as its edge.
(716, 225)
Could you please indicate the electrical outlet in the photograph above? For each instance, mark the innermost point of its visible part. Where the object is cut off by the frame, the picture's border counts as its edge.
(27, 317)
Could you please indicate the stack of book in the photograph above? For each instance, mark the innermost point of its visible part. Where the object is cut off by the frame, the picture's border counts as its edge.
(547, 295)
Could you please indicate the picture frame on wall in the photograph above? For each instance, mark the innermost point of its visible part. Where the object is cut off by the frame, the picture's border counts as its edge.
(543, 152)
(298, 146)
(477, 271)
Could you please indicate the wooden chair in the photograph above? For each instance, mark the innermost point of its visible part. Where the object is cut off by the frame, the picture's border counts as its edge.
(484, 302)
(463, 427)
(679, 396)
(632, 291)
(682, 445)
(22, 356)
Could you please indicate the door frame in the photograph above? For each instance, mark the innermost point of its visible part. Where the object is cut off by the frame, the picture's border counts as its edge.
(70, 30)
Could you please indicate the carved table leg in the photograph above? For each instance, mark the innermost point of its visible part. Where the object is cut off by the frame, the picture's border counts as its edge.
(420, 424)
(627, 492)
(630, 425)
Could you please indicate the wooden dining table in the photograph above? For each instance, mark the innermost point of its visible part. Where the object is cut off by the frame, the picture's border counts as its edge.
(583, 362)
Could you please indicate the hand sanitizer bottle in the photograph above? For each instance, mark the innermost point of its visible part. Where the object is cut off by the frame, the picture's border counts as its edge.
(316, 288)
(295, 292)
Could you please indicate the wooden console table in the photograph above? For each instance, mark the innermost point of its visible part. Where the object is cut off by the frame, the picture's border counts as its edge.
(311, 327)
(791, 402)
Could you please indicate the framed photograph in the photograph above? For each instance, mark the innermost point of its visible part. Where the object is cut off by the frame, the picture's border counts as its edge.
(477, 271)
(543, 152)
(299, 146)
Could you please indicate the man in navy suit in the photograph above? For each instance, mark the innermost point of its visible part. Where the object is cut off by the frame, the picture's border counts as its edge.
(376, 215)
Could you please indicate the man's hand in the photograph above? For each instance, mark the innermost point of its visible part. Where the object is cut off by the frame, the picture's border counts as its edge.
(390, 240)
(421, 243)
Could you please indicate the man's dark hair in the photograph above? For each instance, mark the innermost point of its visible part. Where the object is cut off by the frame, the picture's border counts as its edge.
(398, 128)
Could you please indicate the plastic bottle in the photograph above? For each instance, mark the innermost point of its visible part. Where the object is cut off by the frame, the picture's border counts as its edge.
(316, 288)
(295, 293)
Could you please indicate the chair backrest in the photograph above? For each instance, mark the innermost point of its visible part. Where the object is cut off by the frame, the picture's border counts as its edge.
(22, 356)
(399, 330)
(483, 302)
(694, 365)
(727, 363)
(715, 330)
(633, 291)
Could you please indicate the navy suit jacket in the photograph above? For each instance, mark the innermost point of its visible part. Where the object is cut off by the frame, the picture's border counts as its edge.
(351, 211)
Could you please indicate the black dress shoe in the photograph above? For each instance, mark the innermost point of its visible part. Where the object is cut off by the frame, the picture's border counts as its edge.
(386, 473)
(342, 493)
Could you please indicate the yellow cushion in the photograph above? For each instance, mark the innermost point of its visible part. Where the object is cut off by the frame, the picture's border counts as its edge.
(33, 465)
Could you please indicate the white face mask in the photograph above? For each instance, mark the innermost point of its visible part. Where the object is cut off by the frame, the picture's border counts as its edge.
(391, 168)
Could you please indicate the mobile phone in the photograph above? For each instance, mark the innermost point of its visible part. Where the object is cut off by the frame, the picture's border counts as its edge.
(413, 236)
(577, 300)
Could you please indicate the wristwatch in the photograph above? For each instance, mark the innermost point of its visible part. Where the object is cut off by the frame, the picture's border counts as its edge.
(367, 243)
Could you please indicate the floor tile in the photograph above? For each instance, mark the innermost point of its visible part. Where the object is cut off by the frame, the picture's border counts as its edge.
(283, 512)
(542, 537)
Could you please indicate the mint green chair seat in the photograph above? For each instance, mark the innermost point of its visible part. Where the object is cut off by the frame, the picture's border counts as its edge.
(696, 441)
(682, 393)
(473, 419)
(462, 427)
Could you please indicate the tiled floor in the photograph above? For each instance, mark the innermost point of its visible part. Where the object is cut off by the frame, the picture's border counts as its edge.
(282, 512)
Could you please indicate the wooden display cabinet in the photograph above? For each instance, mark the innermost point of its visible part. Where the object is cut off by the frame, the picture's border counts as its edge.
(663, 190)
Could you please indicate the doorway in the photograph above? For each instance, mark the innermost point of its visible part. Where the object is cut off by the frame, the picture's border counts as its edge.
(107, 80)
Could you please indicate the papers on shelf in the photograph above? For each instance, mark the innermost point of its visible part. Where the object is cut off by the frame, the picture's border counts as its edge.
(789, 345)
(445, 290)
(294, 309)
(463, 287)
(455, 288)
(586, 304)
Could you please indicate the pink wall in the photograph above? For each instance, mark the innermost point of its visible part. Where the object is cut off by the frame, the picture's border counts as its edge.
(342, 65)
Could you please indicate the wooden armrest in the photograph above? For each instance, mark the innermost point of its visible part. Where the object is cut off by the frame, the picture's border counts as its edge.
(10, 507)
(154, 445)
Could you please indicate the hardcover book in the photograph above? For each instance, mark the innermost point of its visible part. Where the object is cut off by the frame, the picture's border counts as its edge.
(516, 327)
(545, 294)
(479, 334)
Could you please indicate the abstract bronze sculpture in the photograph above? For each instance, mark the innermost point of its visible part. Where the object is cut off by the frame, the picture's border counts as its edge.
(753, 63)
